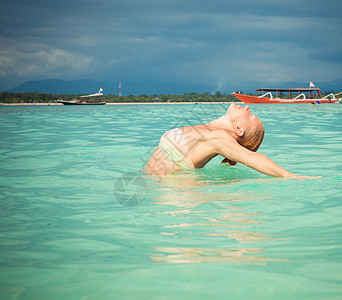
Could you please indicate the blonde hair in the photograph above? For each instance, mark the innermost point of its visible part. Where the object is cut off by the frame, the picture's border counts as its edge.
(251, 140)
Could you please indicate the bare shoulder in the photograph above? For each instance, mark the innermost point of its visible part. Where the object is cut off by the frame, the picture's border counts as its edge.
(207, 131)
(217, 138)
(225, 144)
(198, 132)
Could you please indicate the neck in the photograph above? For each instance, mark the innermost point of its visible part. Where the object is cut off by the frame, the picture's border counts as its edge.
(221, 123)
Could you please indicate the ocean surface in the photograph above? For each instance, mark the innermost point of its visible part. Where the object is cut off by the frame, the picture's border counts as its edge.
(78, 220)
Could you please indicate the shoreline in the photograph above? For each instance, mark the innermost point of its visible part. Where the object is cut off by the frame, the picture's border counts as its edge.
(129, 103)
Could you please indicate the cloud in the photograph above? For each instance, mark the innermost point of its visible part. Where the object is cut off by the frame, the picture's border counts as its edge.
(190, 40)
(36, 59)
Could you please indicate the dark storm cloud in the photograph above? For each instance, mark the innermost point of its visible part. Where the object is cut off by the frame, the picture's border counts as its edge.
(190, 41)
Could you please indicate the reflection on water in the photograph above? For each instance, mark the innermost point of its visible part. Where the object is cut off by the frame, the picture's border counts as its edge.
(200, 212)
(183, 255)
(243, 236)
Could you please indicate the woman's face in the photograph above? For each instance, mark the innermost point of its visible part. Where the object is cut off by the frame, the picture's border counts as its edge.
(243, 117)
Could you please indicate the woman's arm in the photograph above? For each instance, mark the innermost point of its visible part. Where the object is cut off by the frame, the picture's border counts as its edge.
(228, 147)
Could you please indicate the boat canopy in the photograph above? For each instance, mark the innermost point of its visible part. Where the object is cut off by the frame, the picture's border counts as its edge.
(90, 96)
(312, 89)
(301, 90)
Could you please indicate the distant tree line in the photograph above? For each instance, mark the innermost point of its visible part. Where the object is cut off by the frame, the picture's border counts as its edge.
(7, 97)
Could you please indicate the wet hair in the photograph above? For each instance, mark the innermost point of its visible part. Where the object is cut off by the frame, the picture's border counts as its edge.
(251, 140)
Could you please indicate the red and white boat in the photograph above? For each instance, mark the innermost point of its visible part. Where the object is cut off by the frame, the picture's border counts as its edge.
(291, 96)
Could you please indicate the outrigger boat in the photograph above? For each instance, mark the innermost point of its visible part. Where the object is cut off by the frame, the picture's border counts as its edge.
(293, 95)
(93, 99)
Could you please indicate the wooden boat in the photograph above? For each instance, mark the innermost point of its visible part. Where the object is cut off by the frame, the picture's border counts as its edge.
(93, 99)
(290, 96)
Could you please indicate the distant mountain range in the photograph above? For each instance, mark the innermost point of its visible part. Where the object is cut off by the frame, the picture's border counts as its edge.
(148, 87)
(85, 86)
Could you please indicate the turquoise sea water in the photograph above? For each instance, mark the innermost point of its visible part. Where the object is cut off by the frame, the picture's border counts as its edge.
(79, 221)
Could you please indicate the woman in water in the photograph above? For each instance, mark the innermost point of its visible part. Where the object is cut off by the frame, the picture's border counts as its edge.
(237, 135)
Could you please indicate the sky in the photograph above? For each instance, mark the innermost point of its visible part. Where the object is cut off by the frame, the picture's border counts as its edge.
(217, 42)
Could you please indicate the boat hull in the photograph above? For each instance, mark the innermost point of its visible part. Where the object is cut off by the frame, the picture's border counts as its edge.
(80, 103)
(247, 99)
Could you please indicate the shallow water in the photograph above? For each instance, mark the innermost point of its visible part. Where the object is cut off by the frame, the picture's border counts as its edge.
(78, 219)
